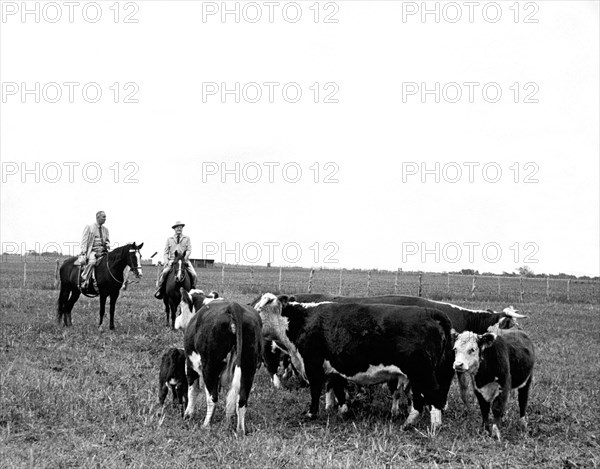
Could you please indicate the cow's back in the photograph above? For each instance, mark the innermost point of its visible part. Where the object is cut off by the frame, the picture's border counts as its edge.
(521, 355)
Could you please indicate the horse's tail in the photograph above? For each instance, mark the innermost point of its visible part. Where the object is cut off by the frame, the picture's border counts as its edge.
(61, 281)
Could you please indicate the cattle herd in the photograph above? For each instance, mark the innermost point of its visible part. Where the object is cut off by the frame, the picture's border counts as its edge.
(413, 345)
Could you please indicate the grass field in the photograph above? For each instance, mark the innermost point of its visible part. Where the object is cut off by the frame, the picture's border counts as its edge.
(79, 398)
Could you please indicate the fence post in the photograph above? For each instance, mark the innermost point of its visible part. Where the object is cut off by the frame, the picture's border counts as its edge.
(420, 285)
(279, 283)
(369, 284)
(396, 281)
(473, 287)
(340, 289)
(568, 289)
(548, 289)
(522, 292)
(448, 283)
(310, 279)
(56, 274)
(251, 277)
(223, 279)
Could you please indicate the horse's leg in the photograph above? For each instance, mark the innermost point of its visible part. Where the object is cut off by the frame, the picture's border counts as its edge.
(72, 300)
(167, 308)
(113, 303)
(102, 308)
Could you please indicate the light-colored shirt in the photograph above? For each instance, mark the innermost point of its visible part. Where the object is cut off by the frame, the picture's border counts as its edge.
(92, 241)
(185, 244)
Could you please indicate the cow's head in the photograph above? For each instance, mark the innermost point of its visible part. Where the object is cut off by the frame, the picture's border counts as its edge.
(275, 325)
(187, 310)
(467, 349)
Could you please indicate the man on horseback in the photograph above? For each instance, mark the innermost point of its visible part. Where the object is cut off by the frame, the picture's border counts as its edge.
(178, 242)
(95, 243)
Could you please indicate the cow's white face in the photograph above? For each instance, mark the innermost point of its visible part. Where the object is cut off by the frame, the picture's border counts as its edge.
(186, 312)
(466, 352)
(275, 325)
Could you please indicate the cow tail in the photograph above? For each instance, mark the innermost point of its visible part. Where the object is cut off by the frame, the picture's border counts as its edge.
(236, 381)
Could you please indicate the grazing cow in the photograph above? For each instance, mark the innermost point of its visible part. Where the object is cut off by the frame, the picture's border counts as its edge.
(498, 363)
(172, 374)
(367, 344)
(223, 343)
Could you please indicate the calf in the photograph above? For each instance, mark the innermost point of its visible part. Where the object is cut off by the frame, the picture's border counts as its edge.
(367, 344)
(172, 374)
(498, 363)
(223, 343)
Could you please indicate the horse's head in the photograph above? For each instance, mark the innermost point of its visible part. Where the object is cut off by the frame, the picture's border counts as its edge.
(134, 259)
(179, 266)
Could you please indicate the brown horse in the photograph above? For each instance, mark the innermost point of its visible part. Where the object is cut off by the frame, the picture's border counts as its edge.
(109, 275)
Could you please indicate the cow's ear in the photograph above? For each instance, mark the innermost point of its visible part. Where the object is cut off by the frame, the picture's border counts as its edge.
(486, 340)
(453, 334)
(284, 300)
(184, 253)
(139, 246)
(175, 252)
(214, 294)
(292, 298)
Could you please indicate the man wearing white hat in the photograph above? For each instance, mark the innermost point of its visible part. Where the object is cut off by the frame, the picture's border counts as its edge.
(180, 243)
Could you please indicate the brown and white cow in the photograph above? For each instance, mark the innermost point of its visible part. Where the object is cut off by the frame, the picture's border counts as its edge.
(497, 364)
(366, 344)
(223, 343)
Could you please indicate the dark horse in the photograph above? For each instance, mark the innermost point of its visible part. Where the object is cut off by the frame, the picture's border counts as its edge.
(177, 278)
(109, 275)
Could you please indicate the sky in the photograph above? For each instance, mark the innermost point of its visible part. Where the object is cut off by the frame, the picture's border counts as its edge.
(433, 136)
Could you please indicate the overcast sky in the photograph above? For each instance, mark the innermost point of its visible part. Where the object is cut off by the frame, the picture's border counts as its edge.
(308, 133)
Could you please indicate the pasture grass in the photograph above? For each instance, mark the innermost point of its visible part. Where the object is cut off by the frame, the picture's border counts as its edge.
(80, 398)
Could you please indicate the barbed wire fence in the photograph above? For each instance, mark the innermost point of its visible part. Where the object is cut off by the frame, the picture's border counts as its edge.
(227, 279)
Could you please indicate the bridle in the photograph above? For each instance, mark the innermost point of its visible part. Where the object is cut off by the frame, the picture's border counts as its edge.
(113, 277)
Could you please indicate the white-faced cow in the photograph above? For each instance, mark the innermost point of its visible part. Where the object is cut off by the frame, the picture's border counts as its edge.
(223, 343)
(172, 375)
(498, 363)
(366, 344)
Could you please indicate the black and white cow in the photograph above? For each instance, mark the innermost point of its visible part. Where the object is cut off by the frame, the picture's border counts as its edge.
(223, 343)
(366, 344)
(172, 375)
(498, 364)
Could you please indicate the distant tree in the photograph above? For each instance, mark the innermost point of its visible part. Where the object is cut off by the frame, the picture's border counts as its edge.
(468, 272)
(525, 271)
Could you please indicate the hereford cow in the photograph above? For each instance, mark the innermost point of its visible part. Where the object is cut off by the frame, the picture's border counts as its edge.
(223, 343)
(498, 363)
(366, 344)
(172, 375)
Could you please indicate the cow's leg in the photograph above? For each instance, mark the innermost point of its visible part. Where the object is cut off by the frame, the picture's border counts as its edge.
(485, 411)
(336, 392)
(498, 406)
(463, 385)
(523, 398)
(193, 379)
(316, 376)
(211, 401)
(102, 309)
(163, 390)
(113, 304)
(415, 409)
